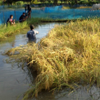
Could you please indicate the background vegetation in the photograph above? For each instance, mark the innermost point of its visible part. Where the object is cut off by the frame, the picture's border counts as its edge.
(53, 1)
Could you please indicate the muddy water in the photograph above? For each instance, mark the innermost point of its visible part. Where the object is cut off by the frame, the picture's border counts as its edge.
(14, 80)
(81, 93)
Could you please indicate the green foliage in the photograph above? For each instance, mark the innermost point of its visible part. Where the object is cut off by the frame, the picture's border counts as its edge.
(42, 0)
(56, 1)
(0, 2)
(10, 1)
(19, 3)
(34, 1)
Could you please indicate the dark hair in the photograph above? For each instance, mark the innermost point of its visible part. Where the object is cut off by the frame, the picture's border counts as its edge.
(11, 16)
(28, 6)
(23, 12)
(31, 27)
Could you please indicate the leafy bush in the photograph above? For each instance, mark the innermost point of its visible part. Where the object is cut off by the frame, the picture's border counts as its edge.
(19, 2)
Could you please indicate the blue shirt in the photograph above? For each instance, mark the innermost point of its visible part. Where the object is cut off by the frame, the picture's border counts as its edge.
(31, 35)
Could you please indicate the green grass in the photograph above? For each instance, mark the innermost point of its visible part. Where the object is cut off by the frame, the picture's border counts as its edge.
(7, 31)
(69, 55)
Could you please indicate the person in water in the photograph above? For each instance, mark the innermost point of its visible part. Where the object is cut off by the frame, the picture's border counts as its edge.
(23, 17)
(10, 20)
(31, 35)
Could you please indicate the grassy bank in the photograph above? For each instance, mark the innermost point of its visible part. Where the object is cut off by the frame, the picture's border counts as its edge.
(69, 55)
(6, 31)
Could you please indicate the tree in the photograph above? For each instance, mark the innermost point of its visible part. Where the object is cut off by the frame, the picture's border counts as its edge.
(49, 1)
(55, 2)
(10, 1)
(42, 0)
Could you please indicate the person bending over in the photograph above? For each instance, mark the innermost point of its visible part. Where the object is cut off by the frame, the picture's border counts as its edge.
(10, 20)
(31, 35)
(22, 18)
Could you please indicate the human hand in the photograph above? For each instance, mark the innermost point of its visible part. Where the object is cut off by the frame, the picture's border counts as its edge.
(36, 32)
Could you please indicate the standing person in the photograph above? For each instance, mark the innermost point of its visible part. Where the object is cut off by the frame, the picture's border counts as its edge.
(10, 20)
(28, 10)
(31, 35)
(23, 17)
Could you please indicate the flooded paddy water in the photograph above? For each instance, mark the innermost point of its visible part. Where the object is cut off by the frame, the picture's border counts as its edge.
(15, 81)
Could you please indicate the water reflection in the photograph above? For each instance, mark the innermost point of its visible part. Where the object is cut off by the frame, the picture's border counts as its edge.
(82, 93)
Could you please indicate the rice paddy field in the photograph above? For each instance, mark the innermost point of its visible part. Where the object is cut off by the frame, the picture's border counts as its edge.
(68, 56)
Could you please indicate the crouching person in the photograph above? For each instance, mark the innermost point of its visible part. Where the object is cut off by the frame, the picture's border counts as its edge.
(31, 35)
(10, 20)
(23, 17)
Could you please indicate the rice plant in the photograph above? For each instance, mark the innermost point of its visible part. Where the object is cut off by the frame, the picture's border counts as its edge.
(70, 54)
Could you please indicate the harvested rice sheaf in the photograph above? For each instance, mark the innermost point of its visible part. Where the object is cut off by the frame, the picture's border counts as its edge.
(69, 54)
